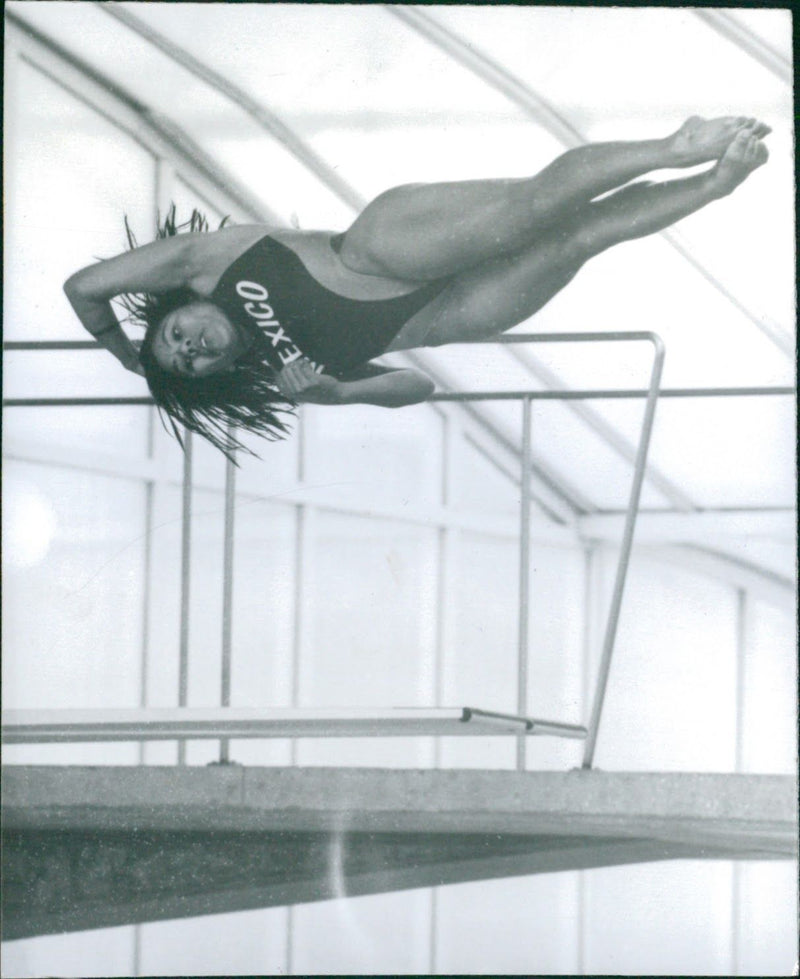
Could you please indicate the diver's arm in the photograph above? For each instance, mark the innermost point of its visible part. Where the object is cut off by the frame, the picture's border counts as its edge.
(380, 386)
(394, 389)
(158, 267)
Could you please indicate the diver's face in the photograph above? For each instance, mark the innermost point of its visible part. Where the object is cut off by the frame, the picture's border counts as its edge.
(197, 340)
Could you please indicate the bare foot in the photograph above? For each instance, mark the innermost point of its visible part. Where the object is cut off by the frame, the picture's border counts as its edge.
(745, 153)
(700, 140)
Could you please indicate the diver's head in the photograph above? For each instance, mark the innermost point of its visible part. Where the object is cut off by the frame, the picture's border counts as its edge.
(196, 340)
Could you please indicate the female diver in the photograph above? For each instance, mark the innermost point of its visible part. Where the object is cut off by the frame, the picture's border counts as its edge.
(244, 323)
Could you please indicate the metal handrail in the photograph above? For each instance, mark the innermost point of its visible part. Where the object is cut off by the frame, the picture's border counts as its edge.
(630, 516)
(652, 393)
(589, 394)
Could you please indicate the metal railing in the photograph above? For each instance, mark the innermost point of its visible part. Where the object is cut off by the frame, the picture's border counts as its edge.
(526, 398)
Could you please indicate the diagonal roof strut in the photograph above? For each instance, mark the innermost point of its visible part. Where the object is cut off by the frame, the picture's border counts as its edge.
(263, 116)
(749, 42)
(165, 131)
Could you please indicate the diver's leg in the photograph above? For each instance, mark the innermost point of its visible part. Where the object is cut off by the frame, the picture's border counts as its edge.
(426, 231)
(485, 301)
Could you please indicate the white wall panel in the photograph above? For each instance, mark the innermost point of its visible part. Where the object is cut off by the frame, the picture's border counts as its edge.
(382, 933)
(372, 629)
(769, 722)
(480, 667)
(556, 652)
(104, 952)
(72, 594)
(668, 919)
(373, 455)
(264, 612)
(515, 926)
(242, 943)
(766, 941)
(671, 695)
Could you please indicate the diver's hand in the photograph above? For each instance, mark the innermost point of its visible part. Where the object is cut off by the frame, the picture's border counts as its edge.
(300, 382)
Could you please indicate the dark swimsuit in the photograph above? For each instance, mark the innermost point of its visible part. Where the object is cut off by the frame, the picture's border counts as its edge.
(269, 287)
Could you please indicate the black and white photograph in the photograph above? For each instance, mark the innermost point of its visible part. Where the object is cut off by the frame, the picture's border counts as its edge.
(399, 490)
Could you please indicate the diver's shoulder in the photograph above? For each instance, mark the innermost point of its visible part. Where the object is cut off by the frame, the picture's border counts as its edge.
(225, 245)
(212, 253)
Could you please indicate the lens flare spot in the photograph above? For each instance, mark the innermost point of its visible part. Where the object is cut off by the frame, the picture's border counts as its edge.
(29, 524)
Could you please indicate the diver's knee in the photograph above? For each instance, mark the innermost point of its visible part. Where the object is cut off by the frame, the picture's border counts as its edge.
(353, 255)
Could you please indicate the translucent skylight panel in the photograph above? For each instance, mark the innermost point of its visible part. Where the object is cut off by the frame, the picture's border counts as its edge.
(746, 241)
(216, 123)
(185, 199)
(479, 367)
(62, 210)
(121, 55)
(381, 108)
(363, 456)
(564, 441)
(773, 27)
(453, 145)
(272, 174)
(311, 61)
(647, 285)
(645, 46)
(729, 451)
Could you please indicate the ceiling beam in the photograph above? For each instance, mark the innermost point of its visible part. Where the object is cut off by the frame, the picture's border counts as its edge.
(755, 579)
(748, 41)
(692, 528)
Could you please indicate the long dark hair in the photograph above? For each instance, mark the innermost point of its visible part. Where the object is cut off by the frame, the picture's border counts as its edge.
(243, 397)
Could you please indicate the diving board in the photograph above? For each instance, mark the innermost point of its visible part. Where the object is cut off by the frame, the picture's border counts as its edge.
(165, 724)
